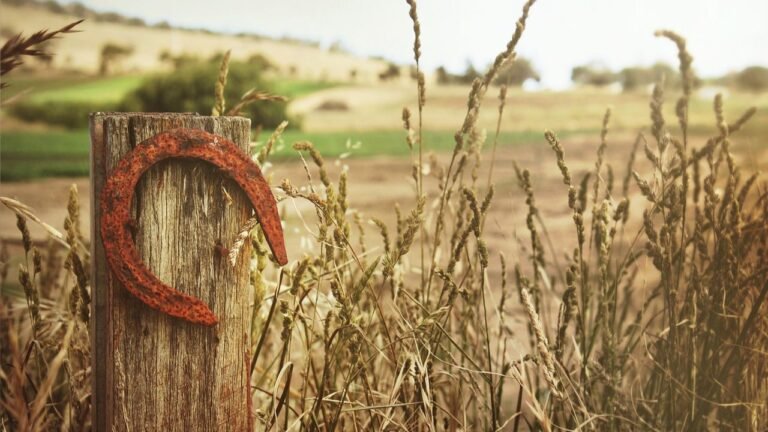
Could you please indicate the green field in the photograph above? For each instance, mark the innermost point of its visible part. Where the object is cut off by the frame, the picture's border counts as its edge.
(31, 155)
(101, 90)
(74, 88)
(293, 89)
(82, 88)
(35, 154)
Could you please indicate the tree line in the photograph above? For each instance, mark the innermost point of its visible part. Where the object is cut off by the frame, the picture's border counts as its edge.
(517, 72)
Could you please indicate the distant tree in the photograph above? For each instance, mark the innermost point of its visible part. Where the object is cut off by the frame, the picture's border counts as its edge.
(47, 59)
(670, 74)
(593, 75)
(110, 17)
(55, 7)
(413, 73)
(165, 56)
(191, 89)
(634, 77)
(753, 78)
(111, 54)
(78, 9)
(177, 61)
(135, 22)
(445, 77)
(470, 73)
(260, 61)
(516, 72)
(336, 47)
(392, 71)
(442, 75)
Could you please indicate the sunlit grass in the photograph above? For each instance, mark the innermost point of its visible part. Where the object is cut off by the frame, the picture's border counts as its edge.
(76, 88)
(297, 88)
(111, 89)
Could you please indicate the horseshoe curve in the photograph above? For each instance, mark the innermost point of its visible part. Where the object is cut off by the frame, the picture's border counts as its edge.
(123, 257)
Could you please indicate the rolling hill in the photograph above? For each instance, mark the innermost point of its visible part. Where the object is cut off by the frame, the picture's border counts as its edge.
(81, 51)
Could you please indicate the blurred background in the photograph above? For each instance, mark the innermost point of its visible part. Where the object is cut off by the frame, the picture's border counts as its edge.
(347, 70)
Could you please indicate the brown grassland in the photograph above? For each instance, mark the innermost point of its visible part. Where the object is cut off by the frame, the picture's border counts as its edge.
(81, 51)
(611, 283)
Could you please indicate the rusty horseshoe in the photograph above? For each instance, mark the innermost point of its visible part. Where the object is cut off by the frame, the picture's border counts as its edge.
(116, 222)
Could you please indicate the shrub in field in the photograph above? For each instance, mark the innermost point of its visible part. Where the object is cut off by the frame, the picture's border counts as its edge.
(190, 88)
(754, 78)
(111, 55)
(656, 320)
(634, 78)
(593, 75)
(333, 105)
(392, 71)
(177, 61)
(516, 72)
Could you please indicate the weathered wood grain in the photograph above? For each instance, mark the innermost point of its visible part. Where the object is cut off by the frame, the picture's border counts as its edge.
(153, 372)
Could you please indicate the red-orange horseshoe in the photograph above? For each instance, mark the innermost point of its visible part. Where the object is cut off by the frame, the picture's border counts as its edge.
(122, 256)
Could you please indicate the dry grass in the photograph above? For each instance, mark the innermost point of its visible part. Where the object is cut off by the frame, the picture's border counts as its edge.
(45, 370)
(18, 47)
(655, 321)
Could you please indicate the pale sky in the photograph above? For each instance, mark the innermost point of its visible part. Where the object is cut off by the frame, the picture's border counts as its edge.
(722, 35)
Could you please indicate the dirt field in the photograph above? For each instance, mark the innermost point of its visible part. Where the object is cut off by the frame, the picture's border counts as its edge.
(375, 107)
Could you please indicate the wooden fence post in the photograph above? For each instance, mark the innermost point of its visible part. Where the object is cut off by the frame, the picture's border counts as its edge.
(151, 371)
